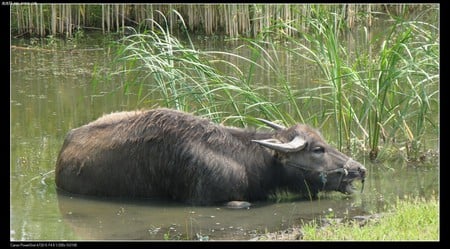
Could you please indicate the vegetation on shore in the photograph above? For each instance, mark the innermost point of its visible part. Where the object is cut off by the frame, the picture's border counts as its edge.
(410, 219)
(232, 20)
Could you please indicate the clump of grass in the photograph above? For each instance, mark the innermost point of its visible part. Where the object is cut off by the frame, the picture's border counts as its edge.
(410, 219)
(398, 92)
(324, 49)
(387, 93)
(381, 95)
(165, 72)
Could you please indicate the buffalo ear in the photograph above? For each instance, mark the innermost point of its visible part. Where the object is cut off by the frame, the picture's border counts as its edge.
(296, 144)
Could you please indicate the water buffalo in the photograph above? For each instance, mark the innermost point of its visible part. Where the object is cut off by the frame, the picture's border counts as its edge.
(172, 154)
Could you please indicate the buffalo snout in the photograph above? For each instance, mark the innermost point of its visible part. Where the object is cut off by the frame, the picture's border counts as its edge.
(355, 169)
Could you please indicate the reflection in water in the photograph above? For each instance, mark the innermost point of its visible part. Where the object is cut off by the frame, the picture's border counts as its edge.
(103, 219)
(116, 219)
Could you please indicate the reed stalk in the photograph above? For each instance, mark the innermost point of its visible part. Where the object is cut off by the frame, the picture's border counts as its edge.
(325, 50)
(232, 20)
(381, 93)
(188, 79)
(385, 91)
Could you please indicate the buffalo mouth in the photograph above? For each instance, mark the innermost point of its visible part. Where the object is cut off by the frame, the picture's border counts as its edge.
(341, 182)
(346, 185)
(351, 171)
(342, 179)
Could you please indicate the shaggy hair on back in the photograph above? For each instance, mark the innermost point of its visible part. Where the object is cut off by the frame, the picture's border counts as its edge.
(165, 153)
(171, 154)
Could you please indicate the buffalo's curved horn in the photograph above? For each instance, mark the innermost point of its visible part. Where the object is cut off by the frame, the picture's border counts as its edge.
(272, 124)
(296, 144)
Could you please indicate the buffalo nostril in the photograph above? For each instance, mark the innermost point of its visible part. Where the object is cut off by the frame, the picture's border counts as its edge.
(362, 171)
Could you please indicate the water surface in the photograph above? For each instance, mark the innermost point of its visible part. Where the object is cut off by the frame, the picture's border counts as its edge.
(52, 92)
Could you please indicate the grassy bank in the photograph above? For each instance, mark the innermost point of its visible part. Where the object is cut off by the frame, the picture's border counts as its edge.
(410, 219)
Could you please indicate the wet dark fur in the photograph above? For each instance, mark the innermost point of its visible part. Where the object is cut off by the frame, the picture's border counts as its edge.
(170, 154)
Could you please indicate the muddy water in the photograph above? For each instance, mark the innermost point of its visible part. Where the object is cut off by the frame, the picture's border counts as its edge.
(52, 92)
(155, 220)
(100, 219)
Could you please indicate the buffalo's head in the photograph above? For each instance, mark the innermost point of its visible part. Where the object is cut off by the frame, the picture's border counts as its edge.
(306, 156)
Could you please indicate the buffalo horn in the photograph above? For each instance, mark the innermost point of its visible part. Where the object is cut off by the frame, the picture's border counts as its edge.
(272, 124)
(296, 144)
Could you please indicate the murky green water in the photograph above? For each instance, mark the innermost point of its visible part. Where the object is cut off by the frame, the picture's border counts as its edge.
(52, 92)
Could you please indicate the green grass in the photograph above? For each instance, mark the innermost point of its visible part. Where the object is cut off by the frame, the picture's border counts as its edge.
(385, 91)
(410, 219)
(162, 71)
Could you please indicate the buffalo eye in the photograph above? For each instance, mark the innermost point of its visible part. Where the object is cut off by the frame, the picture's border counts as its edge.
(318, 150)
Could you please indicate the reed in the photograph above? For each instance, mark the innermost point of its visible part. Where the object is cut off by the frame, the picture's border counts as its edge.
(406, 76)
(232, 20)
(324, 49)
(384, 92)
(163, 71)
(376, 94)
(171, 74)
(386, 95)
